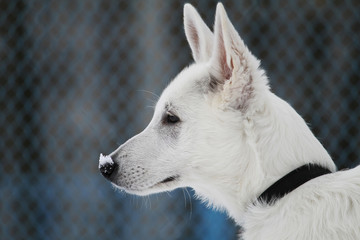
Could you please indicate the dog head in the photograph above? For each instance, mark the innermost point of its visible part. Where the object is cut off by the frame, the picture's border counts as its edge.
(197, 134)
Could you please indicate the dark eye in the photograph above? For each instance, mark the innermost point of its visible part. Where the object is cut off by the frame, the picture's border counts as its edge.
(170, 118)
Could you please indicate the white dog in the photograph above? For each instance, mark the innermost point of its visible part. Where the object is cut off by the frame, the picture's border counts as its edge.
(218, 129)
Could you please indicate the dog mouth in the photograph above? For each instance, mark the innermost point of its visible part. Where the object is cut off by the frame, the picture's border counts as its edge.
(161, 186)
(168, 180)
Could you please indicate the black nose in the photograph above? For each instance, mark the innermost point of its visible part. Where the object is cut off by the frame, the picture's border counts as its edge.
(108, 169)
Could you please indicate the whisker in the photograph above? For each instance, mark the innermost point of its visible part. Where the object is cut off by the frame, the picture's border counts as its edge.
(185, 194)
(154, 94)
(150, 106)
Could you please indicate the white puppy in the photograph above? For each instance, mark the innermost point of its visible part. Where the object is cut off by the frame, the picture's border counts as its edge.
(218, 129)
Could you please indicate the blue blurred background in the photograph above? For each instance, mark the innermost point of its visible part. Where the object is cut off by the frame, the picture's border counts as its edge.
(76, 79)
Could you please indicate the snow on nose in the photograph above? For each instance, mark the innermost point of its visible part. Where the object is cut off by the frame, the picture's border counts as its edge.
(106, 165)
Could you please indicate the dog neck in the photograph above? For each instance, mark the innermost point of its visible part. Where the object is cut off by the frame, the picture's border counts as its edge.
(284, 142)
(279, 141)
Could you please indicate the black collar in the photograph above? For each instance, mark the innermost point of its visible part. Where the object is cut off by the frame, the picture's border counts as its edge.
(291, 181)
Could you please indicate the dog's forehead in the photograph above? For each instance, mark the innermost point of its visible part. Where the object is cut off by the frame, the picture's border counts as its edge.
(186, 86)
(189, 82)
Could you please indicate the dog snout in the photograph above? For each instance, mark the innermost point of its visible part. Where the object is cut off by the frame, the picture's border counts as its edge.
(107, 166)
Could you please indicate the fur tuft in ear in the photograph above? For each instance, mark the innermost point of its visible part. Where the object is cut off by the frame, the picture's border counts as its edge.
(199, 36)
(234, 65)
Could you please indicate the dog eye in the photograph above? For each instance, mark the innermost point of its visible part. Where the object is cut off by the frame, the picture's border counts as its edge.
(170, 118)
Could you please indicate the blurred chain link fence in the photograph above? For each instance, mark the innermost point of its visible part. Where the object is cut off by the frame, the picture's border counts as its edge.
(75, 79)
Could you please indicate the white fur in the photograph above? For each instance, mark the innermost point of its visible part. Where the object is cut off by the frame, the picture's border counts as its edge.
(233, 141)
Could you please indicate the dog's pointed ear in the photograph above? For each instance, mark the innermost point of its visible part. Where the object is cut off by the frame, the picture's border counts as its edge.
(198, 34)
(232, 64)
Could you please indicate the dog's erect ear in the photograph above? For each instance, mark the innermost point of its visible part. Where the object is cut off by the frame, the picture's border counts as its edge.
(198, 34)
(232, 64)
